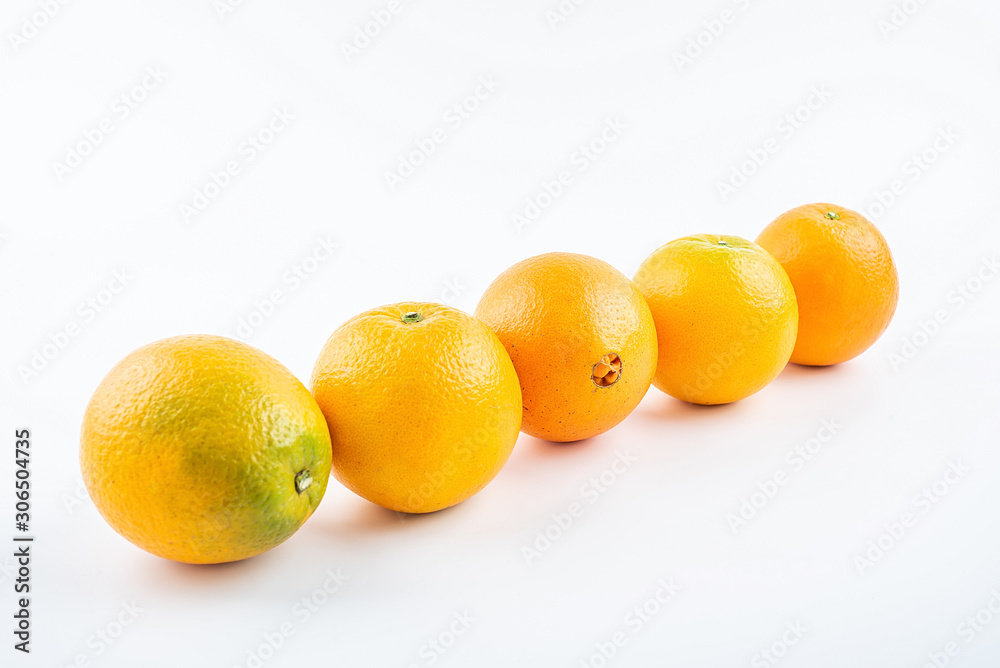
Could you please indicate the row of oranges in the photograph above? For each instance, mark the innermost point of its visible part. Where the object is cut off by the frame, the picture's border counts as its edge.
(203, 449)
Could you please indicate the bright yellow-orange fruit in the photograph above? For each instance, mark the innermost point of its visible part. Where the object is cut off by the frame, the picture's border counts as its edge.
(581, 338)
(844, 277)
(204, 450)
(422, 402)
(725, 316)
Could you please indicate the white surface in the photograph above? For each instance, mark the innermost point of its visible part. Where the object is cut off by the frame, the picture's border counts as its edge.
(450, 224)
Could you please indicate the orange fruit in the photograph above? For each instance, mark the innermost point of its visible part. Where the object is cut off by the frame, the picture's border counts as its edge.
(725, 316)
(422, 402)
(844, 277)
(204, 450)
(581, 338)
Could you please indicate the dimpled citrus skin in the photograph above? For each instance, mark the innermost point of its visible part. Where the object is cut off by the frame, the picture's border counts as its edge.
(422, 414)
(844, 278)
(559, 315)
(191, 446)
(725, 317)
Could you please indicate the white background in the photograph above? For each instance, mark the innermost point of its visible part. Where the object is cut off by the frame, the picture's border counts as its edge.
(443, 235)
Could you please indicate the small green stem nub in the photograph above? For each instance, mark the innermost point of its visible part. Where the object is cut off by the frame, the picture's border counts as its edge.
(832, 215)
(412, 316)
(722, 242)
(303, 479)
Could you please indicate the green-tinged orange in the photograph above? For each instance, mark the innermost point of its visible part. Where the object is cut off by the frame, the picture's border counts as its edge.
(202, 449)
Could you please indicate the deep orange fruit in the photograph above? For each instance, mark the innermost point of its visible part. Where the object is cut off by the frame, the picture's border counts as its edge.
(582, 340)
(844, 278)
